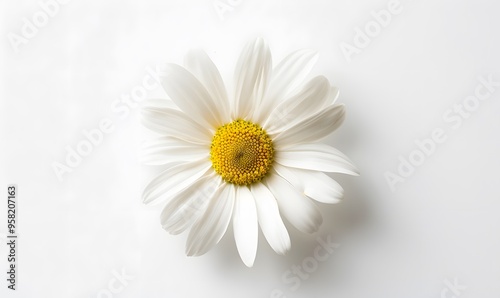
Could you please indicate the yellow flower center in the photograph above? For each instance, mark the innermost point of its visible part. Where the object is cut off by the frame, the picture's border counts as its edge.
(241, 152)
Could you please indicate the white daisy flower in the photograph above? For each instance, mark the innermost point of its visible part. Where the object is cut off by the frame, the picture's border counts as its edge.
(248, 158)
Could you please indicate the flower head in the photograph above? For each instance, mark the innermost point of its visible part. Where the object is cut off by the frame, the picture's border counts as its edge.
(246, 159)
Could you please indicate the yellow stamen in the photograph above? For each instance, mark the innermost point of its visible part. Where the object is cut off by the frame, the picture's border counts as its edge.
(241, 152)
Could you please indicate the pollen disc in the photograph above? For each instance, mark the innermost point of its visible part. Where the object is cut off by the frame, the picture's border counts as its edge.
(241, 152)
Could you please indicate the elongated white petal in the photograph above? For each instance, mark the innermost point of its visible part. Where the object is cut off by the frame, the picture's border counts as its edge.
(245, 225)
(321, 187)
(165, 157)
(160, 103)
(181, 211)
(317, 157)
(252, 76)
(311, 129)
(198, 62)
(270, 220)
(169, 182)
(291, 72)
(316, 185)
(171, 122)
(190, 95)
(167, 150)
(166, 141)
(212, 225)
(308, 101)
(286, 77)
(300, 211)
(333, 95)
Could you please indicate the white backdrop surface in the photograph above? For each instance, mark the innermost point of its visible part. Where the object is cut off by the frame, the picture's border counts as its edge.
(409, 72)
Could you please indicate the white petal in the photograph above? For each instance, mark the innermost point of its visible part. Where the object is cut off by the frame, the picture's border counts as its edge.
(291, 72)
(252, 75)
(180, 212)
(171, 122)
(333, 95)
(270, 220)
(308, 101)
(166, 141)
(300, 211)
(167, 150)
(169, 182)
(245, 225)
(288, 75)
(316, 157)
(313, 128)
(316, 185)
(190, 95)
(198, 62)
(212, 225)
(161, 103)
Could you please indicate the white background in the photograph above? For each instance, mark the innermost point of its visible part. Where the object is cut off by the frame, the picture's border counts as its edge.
(439, 225)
